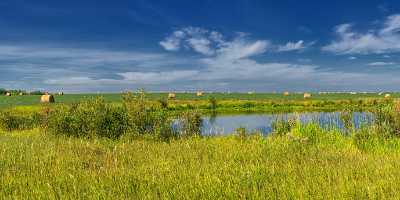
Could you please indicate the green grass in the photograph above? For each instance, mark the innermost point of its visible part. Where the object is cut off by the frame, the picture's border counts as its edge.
(116, 97)
(225, 103)
(36, 165)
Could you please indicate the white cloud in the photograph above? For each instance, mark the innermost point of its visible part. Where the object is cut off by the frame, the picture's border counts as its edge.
(221, 63)
(173, 42)
(352, 58)
(292, 46)
(385, 39)
(381, 63)
(201, 45)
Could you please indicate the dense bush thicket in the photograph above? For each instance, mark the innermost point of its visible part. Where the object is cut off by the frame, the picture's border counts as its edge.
(96, 118)
(11, 120)
(89, 118)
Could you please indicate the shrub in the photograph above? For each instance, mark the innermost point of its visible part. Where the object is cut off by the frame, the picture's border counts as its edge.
(145, 119)
(387, 119)
(282, 127)
(163, 103)
(89, 118)
(190, 123)
(213, 103)
(11, 120)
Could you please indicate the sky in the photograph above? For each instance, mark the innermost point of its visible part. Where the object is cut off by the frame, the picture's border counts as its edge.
(225, 45)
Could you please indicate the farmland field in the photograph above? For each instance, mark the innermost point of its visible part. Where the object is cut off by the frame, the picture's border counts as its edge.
(6, 101)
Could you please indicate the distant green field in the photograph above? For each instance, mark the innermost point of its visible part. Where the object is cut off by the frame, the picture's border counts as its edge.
(6, 101)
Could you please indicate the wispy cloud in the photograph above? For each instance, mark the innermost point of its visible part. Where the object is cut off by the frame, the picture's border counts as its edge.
(381, 63)
(173, 42)
(385, 39)
(215, 62)
(294, 46)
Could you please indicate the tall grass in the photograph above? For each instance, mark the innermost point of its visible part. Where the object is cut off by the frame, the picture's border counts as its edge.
(96, 150)
(329, 166)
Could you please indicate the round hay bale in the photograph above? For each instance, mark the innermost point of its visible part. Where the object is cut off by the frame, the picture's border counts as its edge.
(387, 96)
(307, 95)
(286, 93)
(47, 98)
(60, 93)
(8, 94)
(199, 93)
(21, 94)
(171, 95)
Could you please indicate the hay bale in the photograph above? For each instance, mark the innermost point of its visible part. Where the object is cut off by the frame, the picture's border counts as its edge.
(286, 93)
(60, 93)
(21, 94)
(171, 95)
(251, 92)
(47, 98)
(387, 96)
(8, 94)
(199, 93)
(307, 95)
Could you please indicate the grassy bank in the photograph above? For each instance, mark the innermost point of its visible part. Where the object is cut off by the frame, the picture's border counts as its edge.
(42, 166)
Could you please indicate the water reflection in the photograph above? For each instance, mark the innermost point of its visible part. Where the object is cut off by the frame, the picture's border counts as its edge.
(227, 124)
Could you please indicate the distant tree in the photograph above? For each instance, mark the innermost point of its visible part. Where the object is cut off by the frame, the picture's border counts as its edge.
(36, 92)
(2, 91)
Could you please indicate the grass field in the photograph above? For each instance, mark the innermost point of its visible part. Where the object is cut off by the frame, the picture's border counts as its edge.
(226, 103)
(87, 151)
(36, 165)
(116, 97)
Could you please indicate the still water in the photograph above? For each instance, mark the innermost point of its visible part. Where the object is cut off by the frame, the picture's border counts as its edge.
(227, 124)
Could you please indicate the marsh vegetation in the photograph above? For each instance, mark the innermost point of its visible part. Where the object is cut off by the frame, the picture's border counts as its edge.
(101, 150)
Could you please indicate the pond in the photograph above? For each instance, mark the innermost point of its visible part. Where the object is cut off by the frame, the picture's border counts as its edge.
(227, 124)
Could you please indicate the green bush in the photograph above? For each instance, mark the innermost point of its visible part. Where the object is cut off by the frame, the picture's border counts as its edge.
(282, 126)
(12, 120)
(387, 119)
(88, 119)
(212, 103)
(190, 123)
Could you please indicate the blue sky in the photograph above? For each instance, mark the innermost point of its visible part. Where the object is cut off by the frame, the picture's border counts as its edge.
(90, 46)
